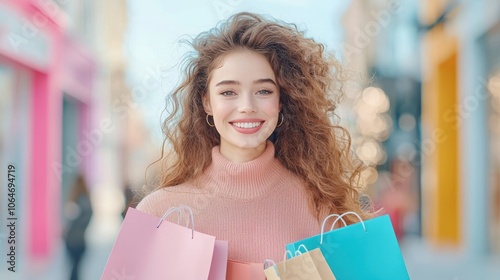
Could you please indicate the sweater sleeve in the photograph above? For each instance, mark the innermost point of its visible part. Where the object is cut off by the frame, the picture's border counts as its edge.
(159, 201)
(153, 203)
(144, 205)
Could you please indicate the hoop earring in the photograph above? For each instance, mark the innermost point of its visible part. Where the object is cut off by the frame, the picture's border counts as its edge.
(282, 118)
(209, 124)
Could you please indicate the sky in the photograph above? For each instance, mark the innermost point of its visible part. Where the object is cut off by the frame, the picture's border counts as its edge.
(153, 49)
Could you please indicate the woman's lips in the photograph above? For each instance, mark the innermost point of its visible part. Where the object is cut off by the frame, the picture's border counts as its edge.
(247, 127)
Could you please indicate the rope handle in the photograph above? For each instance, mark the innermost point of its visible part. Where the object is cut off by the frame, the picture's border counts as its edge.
(178, 210)
(268, 263)
(340, 218)
(298, 252)
(288, 252)
(326, 219)
(168, 212)
(333, 225)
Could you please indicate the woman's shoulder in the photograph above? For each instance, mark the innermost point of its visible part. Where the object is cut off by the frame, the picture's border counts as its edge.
(158, 201)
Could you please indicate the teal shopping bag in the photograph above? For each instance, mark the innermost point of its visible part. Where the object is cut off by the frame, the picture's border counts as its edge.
(365, 250)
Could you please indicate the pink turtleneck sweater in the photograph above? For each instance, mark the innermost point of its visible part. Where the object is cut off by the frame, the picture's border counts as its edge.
(258, 206)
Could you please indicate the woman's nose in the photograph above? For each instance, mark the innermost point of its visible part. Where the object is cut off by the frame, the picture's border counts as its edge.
(247, 104)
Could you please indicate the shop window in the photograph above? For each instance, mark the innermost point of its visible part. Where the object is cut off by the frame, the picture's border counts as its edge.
(15, 92)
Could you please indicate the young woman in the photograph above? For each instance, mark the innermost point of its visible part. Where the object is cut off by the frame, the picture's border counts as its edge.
(254, 150)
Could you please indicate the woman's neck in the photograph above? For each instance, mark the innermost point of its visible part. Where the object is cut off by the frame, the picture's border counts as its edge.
(247, 180)
(241, 155)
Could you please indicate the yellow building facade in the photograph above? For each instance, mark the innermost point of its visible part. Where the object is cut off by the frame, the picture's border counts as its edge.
(440, 137)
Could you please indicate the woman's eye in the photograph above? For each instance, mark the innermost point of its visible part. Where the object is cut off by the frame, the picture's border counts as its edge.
(264, 92)
(227, 93)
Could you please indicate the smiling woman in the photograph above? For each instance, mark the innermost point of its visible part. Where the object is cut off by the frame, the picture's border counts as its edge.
(244, 100)
(252, 146)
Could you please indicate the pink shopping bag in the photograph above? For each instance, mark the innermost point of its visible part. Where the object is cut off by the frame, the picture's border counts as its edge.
(147, 249)
(245, 271)
(219, 261)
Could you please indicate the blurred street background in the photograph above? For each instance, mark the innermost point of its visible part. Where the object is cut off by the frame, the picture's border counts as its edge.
(82, 92)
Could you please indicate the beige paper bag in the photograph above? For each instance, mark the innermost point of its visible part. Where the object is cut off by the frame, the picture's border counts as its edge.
(310, 265)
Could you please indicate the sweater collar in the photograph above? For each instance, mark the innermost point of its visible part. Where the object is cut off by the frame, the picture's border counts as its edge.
(246, 180)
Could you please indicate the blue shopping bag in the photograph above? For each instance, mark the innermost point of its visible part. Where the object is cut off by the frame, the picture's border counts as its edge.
(365, 250)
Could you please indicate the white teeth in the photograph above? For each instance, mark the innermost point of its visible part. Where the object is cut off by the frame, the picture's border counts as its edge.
(247, 124)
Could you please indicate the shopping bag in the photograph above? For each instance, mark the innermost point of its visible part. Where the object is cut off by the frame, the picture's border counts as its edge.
(310, 265)
(244, 271)
(150, 248)
(219, 261)
(365, 250)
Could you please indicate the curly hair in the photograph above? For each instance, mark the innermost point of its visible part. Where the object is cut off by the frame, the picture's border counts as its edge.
(308, 143)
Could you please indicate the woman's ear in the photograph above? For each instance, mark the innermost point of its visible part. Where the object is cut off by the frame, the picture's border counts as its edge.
(205, 99)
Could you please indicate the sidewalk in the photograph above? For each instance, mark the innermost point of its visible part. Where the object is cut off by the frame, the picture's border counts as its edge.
(57, 266)
(426, 263)
(91, 268)
(100, 240)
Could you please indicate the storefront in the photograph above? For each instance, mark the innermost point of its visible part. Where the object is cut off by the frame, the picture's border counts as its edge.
(41, 68)
(461, 110)
(491, 43)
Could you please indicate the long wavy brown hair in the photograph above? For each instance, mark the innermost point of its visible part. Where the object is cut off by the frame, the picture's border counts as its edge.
(309, 143)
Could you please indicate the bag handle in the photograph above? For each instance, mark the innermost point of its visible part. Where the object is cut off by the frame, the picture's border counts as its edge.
(287, 252)
(340, 218)
(327, 218)
(178, 210)
(191, 215)
(333, 225)
(268, 263)
(334, 222)
(298, 252)
(168, 212)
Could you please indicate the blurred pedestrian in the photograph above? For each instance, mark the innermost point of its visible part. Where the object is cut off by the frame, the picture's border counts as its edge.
(78, 211)
(398, 196)
(128, 195)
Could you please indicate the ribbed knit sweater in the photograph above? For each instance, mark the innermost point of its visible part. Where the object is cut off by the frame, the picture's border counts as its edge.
(258, 206)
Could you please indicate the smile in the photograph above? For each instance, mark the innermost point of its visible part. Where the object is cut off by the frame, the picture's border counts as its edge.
(246, 124)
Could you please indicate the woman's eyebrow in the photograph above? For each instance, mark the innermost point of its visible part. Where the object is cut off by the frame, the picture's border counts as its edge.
(264, 81)
(233, 82)
(227, 82)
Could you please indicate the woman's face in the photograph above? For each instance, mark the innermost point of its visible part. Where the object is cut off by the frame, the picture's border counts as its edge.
(243, 98)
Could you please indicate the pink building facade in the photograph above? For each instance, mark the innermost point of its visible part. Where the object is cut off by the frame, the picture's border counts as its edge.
(47, 86)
